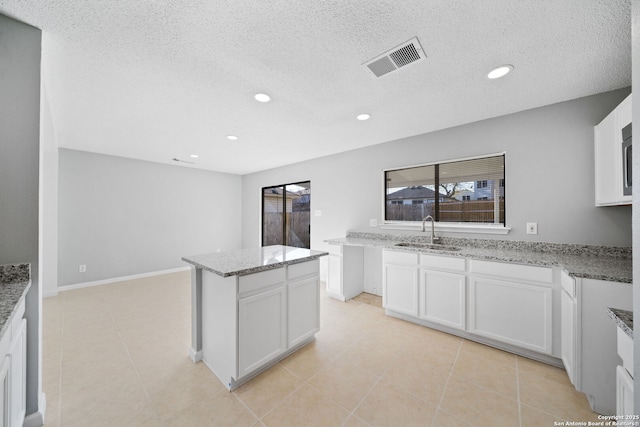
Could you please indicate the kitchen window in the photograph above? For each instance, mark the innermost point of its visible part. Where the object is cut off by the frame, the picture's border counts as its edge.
(466, 192)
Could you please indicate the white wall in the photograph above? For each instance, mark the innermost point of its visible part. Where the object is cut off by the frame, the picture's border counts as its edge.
(122, 217)
(549, 176)
(19, 163)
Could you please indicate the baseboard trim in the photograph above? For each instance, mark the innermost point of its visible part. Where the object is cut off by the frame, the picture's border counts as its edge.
(121, 279)
(37, 418)
(196, 356)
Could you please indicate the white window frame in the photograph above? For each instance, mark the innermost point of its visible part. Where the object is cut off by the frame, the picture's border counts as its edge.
(450, 227)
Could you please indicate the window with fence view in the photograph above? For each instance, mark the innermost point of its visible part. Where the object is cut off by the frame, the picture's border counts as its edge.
(286, 215)
(465, 191)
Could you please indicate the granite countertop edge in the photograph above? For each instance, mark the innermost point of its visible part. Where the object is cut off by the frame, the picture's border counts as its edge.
(623, 318)
(253, 269)
(582, 261)
(15, 282)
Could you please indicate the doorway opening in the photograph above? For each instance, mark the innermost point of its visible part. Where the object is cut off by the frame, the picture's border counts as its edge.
(286, 215)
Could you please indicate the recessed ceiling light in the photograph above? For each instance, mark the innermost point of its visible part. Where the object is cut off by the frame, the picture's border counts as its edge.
(232, 137)
(501, 71)
(193, 156)
(363, 117)
(262, 97)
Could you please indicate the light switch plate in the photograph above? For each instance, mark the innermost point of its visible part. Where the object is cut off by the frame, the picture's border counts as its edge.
(532, 228)
(317, 212)
(373, 222)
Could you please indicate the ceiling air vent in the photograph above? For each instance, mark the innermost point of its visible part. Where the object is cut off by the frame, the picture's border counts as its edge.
(400, 56)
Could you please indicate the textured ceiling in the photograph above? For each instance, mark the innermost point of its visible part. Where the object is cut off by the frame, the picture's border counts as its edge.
(158, 79)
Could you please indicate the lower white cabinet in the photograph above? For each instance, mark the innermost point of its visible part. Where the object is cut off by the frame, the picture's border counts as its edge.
(252, 321)
(569, 328)
(624, 392)
(345, 275)
(515, 313)
(18, 398)
(304, 310)
(442, 298)
(13, 372)
(5, 390)
(262, 329)
(400, 282)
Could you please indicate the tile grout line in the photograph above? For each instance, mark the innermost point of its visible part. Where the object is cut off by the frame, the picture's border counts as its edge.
(446, 384)
(126, 348)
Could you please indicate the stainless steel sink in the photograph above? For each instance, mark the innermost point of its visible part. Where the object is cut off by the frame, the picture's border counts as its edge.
(430, 246)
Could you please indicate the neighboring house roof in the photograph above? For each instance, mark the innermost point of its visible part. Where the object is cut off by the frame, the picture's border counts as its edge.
(273, 192)
(417, 192)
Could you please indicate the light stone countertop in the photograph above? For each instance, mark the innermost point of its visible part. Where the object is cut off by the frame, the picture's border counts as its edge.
(249, 261)
(15, 281)
(623, 318)
(585, 261)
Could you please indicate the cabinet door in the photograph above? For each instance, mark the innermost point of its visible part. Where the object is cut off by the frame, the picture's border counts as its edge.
(262, 327)
(334, 276)
(606, 161)
(442, 298)
(304, 310)
(5, 390)
(624, 392)
(400, 289)
(514, 313)
(568, 335)
(18, 398)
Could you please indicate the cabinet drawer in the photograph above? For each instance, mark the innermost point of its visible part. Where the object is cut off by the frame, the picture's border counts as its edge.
(262, 280)
(527, 273)
(568, 284)
(304, 269)
(442, 262)
(394, 257)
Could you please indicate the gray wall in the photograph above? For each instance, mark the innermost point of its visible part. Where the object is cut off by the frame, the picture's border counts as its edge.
(549, 175)
(19, 132)
(122, 217)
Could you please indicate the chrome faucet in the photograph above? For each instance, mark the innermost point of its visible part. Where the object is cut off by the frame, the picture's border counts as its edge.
(433, 225)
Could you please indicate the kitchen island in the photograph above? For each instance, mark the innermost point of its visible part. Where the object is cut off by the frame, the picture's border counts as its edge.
(252, 308)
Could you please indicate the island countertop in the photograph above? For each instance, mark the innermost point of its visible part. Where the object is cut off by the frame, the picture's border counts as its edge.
(248, 261)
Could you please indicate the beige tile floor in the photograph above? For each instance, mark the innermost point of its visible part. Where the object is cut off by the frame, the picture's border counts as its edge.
(116, 355)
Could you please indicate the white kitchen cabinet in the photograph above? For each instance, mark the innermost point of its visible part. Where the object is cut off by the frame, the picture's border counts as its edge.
(442, 292)
(13, 372)
(5, 390)
(262, 328)
(252, 321)
(400, 282)
(515, 313)
(569, 329)
(18, 374)
(303, 310)
(596, 350)
(608, 156)
(345, 275)
(624, 392)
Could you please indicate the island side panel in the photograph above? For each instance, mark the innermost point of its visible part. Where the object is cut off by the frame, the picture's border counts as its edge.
(220, 326)
(195, 352)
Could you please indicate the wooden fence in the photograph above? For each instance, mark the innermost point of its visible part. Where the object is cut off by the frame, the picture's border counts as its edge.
(297, 225)
(458, 211)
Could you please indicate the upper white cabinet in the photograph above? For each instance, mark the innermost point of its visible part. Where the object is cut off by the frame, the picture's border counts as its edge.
(608, 156)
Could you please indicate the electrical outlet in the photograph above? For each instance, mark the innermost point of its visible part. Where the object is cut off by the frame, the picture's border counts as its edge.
(373, 222)
(532, 228)
(82, 268)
